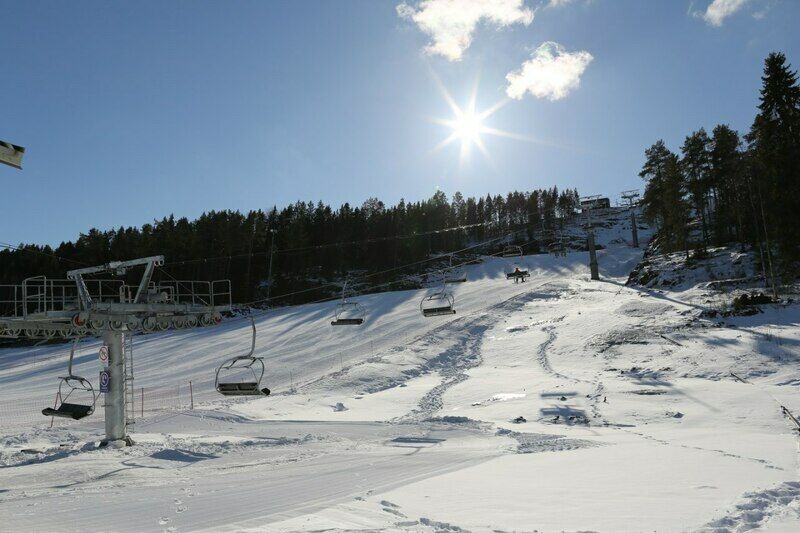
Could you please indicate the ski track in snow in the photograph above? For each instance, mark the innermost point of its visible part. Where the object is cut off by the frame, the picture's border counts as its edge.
(756, 508)
(465, 354)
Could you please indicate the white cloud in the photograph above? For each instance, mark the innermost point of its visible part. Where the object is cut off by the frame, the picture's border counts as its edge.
(558, 3)
(451, 23)
(719, 10)
(550, 73)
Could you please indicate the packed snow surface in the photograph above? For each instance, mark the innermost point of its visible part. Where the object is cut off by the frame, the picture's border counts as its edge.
(558, 404)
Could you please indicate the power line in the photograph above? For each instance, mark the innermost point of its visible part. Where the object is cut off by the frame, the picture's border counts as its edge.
(381, 272)
(331, 245)
(39, 252)
(389, 283)
(334, 298)
(391, 238)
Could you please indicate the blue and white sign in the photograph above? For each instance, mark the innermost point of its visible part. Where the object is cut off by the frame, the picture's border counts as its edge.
(105, 380)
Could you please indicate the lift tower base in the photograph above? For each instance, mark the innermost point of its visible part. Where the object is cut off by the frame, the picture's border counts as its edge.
(116, 423)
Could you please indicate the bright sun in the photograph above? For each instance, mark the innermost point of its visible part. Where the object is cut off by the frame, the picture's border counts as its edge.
(467, 125)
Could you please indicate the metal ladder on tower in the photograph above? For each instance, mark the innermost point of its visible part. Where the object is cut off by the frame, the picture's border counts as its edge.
(129, 388)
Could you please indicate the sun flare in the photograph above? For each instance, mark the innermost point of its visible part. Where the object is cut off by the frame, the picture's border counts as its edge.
(467, 125)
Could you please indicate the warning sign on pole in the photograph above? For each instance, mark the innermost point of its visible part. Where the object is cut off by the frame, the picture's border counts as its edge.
(104, 354)
(105, 380)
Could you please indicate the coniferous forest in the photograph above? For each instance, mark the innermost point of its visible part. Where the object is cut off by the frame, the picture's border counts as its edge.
(314, 244)
(728, 188)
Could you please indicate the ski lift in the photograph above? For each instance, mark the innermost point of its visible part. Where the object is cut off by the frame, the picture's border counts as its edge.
(455, 274)
(249, 365)
(438, 304)
(518, 275)
(558, 247)
(348, 313)
(69, 385)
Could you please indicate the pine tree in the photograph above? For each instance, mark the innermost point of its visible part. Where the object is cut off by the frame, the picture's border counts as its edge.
(696, 166)
(725, 178)
(774, 140)
(654, 172)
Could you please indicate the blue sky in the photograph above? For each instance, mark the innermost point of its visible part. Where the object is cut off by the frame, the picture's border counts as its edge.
(132, 111)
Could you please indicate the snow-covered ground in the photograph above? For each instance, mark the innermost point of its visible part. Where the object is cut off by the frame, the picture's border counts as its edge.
(632, 420)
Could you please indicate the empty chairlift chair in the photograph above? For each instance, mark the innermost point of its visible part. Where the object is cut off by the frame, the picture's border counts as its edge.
(250, 370)
(68, 386)
(455, 274)
(557, 249)
(512, 251)
(348, 313)
(438, 304)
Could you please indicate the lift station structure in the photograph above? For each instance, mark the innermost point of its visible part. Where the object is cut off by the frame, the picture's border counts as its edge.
(114, 309)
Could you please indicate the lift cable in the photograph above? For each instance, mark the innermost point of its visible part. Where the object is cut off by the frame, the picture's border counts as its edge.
(386, 271)
(330, 245)
(39, 252)
(335, 298)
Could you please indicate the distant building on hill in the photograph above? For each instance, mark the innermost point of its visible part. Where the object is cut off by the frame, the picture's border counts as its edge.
(598, 203)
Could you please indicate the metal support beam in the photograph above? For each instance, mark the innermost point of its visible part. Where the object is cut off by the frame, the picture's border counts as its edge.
(145, 281)
(591, 202)
(595, 274)
(634, 229)
(631, 197)
(117, 267)
(114, 404)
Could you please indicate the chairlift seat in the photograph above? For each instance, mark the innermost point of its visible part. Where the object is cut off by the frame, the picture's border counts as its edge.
(439, 311)
(75, 411)
(512, 251)
(68, 385)
(347, 322)
(521, 274)
(246, 363)
(348, 313)
(242, 388)
(439, 303)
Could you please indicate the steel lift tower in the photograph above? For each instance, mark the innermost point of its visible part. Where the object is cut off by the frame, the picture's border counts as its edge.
(590, 203)
(631, 197)
(43, 308)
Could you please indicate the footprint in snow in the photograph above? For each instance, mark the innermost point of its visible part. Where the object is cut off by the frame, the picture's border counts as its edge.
(163, 521)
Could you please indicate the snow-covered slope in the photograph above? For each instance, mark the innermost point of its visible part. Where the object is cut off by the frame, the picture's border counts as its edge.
(630, 419)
